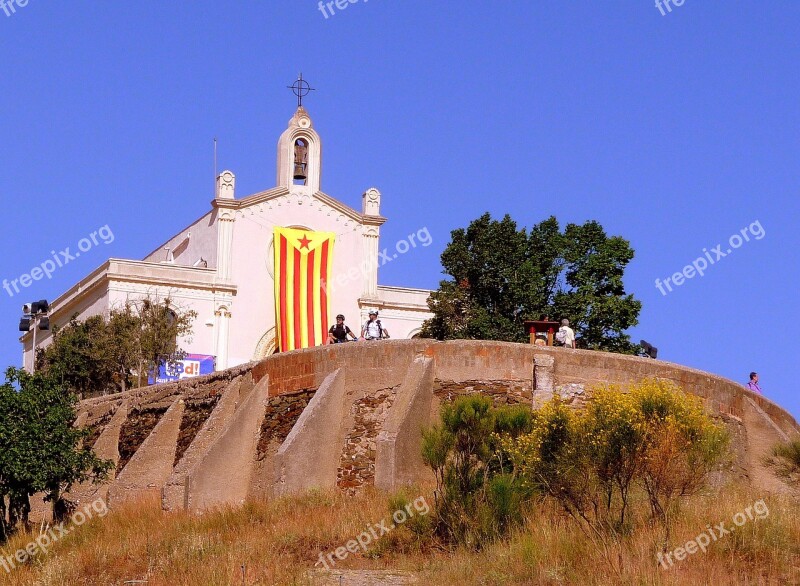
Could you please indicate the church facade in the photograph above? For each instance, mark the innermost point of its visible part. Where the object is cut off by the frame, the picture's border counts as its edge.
(223, 265)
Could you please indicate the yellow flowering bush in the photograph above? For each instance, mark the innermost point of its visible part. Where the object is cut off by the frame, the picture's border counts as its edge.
(650, 435)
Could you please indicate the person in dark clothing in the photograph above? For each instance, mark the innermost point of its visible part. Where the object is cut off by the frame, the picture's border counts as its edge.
(340, 332)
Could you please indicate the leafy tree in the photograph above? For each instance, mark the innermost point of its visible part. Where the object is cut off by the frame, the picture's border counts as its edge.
(501, 276)
(124, 328)
(79, 356)
(40, 449)
(108, 354)
(161, 326)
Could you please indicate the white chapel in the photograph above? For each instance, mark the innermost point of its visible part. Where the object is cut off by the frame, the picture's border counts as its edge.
(223, 265)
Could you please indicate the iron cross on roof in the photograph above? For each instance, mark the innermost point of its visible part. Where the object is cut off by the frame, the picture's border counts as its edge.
(301, 89)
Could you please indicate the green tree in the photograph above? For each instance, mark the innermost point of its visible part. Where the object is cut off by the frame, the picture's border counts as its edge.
(80, 356)
(109, 354)
(501, 276)
(124, 328)
(156, 341)
(40, 449)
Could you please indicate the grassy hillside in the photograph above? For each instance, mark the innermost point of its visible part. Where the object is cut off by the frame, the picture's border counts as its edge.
(279, 542)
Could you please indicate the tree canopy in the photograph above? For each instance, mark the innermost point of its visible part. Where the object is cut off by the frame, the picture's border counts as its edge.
(40, 449)
(109, 354)
(501, 275)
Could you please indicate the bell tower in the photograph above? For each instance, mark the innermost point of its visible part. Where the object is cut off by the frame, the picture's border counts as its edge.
(299, 154)
(299, 147)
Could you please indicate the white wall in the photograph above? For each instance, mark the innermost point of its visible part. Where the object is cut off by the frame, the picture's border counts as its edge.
(253, 313)
(190, 244)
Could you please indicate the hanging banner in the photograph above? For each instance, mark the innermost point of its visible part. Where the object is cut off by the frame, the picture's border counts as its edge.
(192, 365)
(303, 262)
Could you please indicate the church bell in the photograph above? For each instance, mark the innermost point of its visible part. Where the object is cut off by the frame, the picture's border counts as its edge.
(300, 171)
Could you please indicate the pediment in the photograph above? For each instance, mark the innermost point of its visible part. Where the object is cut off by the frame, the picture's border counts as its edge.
(278, 197)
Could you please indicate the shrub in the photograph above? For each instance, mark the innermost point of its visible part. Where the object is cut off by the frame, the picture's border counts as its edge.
(414, 534)
(649, 435)
(785, 461)
(682, 445)
(477, 498)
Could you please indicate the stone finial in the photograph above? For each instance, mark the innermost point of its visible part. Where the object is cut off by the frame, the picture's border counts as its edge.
(371, 202)
(226, 184)
(301, 119)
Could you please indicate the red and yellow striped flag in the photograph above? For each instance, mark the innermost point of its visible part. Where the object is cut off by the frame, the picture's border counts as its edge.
(303, 261)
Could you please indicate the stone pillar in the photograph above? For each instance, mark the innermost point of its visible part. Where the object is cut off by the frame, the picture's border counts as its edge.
(107, 448)
(224, 474)
(371, 202)
(761, 434)
(371, 210)
(222, 320)
(81, 419)
(543, 379)
(225, 224)
(152, 464)
(370, 272)
(225, 219)
(398, 459)
(107, 445)
(174, 495)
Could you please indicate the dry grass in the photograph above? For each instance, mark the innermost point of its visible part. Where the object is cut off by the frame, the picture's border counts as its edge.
(278, 542)
(552, 550)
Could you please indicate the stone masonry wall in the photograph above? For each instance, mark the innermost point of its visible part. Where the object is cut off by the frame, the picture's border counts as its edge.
(357, 465)
(373, 371)
(501, 392)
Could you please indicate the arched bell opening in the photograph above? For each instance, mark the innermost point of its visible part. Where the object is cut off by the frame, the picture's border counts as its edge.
(300, 173)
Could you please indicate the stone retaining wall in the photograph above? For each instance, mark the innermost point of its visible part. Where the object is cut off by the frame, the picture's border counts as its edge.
(210, 442)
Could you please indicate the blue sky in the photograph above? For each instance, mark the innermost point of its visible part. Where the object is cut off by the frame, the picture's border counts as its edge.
(674, 131)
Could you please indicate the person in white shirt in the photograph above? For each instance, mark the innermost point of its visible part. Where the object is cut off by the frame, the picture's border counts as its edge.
(373, 330)
(566, 335)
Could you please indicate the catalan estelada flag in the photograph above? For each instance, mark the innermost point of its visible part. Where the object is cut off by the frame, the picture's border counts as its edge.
(303, 262)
